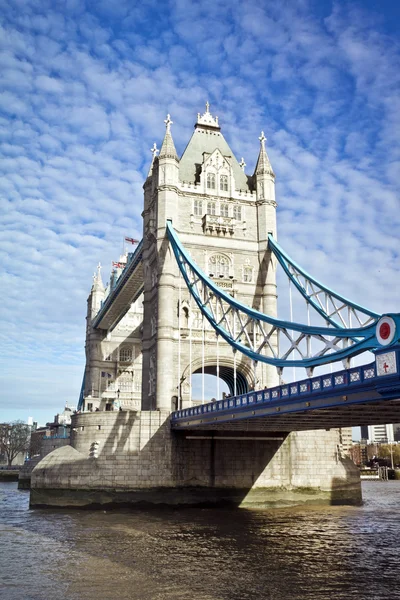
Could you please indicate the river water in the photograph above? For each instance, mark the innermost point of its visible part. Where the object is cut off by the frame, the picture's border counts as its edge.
(202, 554)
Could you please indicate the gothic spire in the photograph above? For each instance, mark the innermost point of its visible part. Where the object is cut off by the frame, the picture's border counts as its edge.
(97, 280)
(154, 151)
(263, 166)
(168, 147)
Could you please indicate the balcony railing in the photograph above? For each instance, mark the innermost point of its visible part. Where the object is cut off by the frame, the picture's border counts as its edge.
(217, 224)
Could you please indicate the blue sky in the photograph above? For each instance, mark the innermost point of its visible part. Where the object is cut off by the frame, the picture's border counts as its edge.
(85, 87)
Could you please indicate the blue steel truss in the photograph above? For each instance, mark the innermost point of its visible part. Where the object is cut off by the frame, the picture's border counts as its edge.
(334, 308)
(260, 336)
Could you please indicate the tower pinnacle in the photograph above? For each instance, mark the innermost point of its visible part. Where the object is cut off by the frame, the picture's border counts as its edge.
(168, 123)
(206, 120)
(168, 147)
(263, 166)
(97, 280)
(154, 151)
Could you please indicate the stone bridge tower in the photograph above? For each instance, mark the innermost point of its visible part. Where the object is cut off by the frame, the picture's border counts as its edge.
(223, 218)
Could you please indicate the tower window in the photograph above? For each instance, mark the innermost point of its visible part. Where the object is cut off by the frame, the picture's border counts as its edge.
(237, 213)
(248, 274)
(224, 210)
(198, 208)
(223, 183)
(218, 265)
(211, 208)
(211, 181)
(125, 354)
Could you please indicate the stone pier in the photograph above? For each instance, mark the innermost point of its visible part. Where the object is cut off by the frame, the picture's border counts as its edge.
(133, 458)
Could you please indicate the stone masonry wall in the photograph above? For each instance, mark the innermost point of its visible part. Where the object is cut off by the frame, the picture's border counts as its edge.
(133, 457)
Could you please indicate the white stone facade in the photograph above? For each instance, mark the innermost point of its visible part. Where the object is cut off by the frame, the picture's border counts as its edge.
(223, 218)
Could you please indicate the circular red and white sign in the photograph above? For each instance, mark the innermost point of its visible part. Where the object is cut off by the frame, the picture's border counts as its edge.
(385, 330)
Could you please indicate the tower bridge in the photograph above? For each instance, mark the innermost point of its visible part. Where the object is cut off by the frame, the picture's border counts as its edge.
(199, 295)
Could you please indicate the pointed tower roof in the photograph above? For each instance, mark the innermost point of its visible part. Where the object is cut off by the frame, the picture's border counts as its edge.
(206, 138)
(97, 280)
(263, 166)
(168, 147)
(154, 150)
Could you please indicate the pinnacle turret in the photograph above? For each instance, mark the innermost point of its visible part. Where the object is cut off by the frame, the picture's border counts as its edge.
(206, 120)
(154, 151)
(97, 280)
(168, 147)
(263, 166)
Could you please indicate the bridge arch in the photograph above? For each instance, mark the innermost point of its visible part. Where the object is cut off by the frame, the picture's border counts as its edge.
(244, 373)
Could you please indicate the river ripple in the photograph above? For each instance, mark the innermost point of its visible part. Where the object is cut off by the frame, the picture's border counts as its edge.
(202, 554)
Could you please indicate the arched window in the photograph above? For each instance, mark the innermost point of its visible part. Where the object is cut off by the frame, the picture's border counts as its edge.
(224, 210)
(211, 208)
(211, 181)
(218, 265)
(248, 274)
(125, 354)
(223, 183)
(237, 212)
(198, 208)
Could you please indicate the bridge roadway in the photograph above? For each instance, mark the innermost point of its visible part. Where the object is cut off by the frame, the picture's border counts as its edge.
(128, 288)
(365, 395)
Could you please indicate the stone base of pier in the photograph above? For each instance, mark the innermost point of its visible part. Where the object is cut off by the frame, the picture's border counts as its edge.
(133, 458)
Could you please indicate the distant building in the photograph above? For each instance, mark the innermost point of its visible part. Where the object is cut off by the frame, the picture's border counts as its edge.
(346, 442)
(379, 434)
(359, 453)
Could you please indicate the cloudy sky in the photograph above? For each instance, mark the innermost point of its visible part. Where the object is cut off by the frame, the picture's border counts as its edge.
(85, 87)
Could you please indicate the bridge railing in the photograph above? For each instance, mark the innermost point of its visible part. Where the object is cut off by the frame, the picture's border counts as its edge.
(326, 384)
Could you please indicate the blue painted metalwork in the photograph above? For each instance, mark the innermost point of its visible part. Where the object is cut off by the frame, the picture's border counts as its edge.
(293, 270)
(325, 391)
(82, 393)
(205, 292)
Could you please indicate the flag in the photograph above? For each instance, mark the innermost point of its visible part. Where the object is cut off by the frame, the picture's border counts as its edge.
(131, 240)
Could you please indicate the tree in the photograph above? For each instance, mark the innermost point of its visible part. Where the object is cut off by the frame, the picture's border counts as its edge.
(14, 438)
(388, 450)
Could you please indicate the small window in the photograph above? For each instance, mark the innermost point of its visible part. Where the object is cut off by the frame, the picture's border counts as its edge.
(108, 357)
(224, 210)
(90, 406)
(237, 213)
(223, 183)
(125, 354)
(248, 274)
(211, 208)
(108, 407)
(198, 208)
(211, 181)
